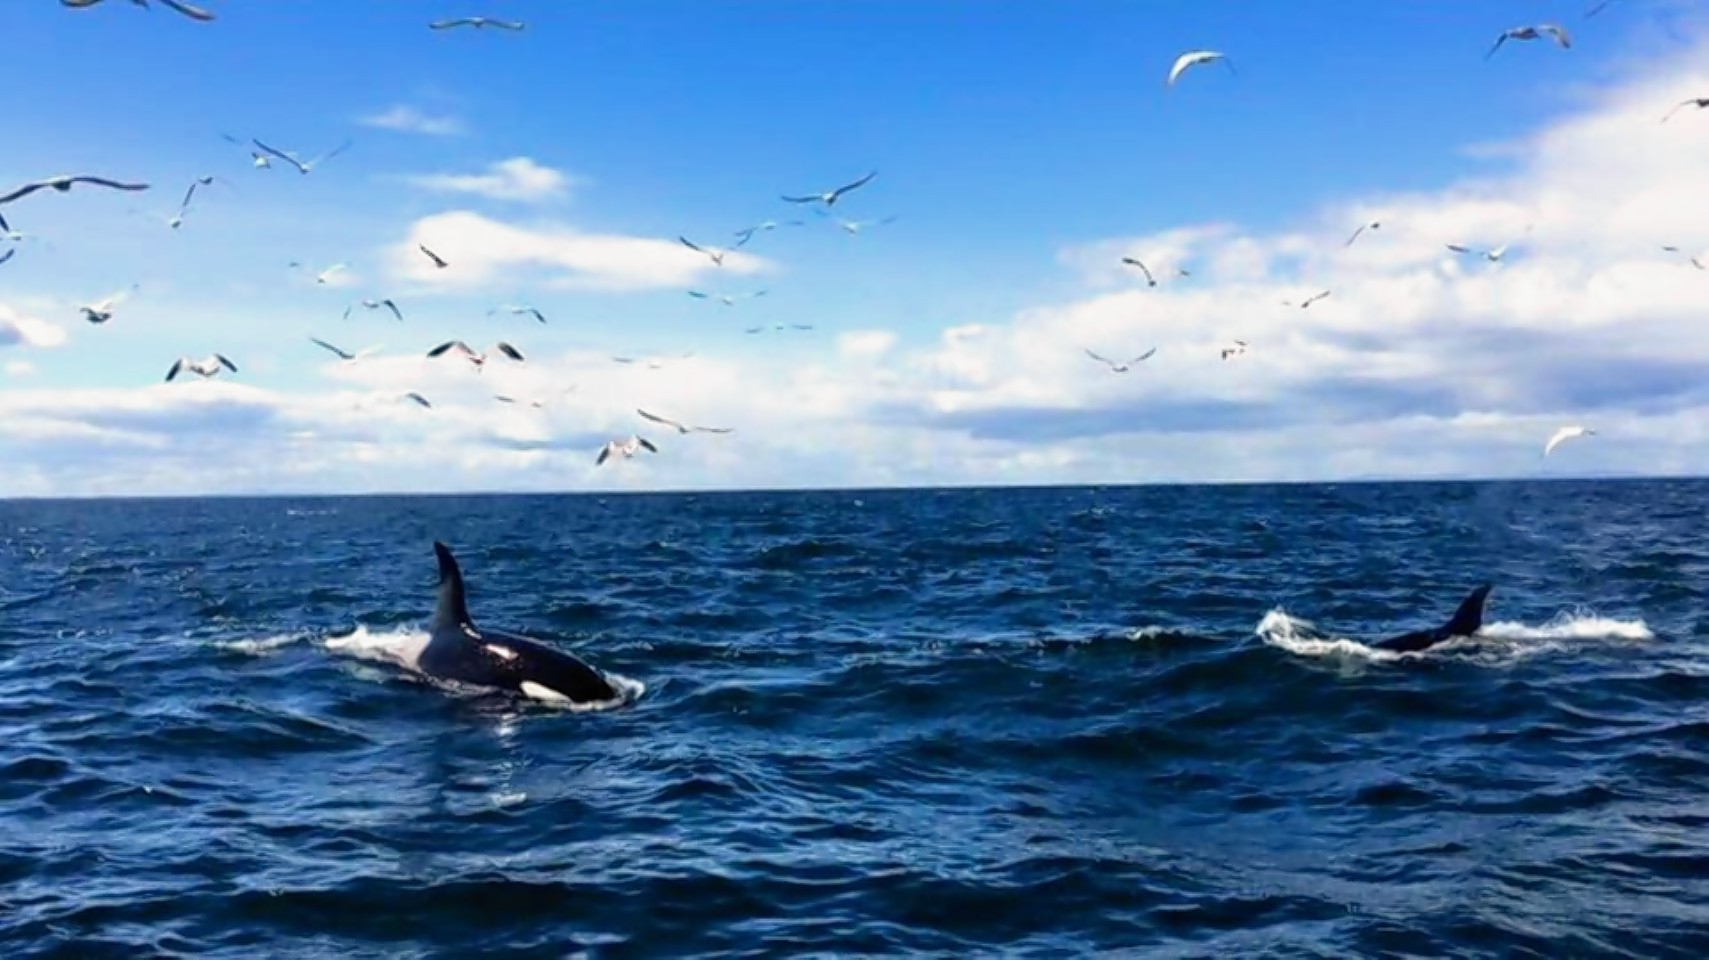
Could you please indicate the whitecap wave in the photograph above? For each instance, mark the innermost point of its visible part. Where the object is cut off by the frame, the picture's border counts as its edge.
(1497, 644)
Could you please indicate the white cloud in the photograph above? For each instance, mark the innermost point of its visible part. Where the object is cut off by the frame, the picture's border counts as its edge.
(865, 344)
(20, 368)
(403, 118)
(20, 329)
(519, 179)
(484, 252)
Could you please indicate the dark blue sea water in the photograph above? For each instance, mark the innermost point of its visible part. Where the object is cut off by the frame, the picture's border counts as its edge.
(1039, 723)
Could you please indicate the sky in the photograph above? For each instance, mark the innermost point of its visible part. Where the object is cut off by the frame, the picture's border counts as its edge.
(1023, 151)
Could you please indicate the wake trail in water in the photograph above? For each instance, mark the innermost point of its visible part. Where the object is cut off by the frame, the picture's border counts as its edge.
(1495, 644)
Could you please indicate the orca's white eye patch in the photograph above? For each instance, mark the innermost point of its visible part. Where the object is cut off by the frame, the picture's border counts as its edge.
(538, 692)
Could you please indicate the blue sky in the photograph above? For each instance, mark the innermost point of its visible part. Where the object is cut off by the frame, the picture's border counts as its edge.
(1022, 147)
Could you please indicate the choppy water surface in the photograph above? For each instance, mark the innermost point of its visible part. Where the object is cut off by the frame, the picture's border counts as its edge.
(932, 723)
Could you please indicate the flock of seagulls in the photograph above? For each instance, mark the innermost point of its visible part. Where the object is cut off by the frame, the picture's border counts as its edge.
(264, 156)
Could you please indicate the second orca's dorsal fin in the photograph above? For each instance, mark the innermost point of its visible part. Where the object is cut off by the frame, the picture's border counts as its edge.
(452, 608)
(1470, 617)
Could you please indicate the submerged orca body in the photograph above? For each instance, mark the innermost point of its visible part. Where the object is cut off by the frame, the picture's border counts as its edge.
(458, 650)
(1466, 621)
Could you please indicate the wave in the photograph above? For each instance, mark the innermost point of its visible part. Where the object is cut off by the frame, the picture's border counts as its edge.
(261, 646)
(1496, 644)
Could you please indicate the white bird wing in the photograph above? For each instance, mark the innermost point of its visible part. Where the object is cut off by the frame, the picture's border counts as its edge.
(1561, 436)
(658, 419)
(327, 346)
(1187, 61)
(1100, 359)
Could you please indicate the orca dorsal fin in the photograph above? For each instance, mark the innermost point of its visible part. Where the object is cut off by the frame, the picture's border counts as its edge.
(1470, 617)
(452, 609)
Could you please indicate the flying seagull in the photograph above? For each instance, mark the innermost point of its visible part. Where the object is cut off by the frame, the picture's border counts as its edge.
(830, 197)
(1563, 435)
(184, 205)
(344, 355)
(727, 299)
(1187, 61)
(1373, 225)
(323, 276)
(438, 261)
(624, 448)
(1550, 30)
(1122, 367)
(517, 310)
(206, 367)
(418, 398)
(64, 185)
(1695, 261)
(1493, 256)
(856, 226)
(257, 159)
(716, 256)
(682, 428)
(375, 305)
(1308, 301)
(747, 233)
(1235, 348)
(536, 404)
(1698, 102)
(1593, 11)
(194, 13)
(478, 359)
(477, 23)
(303, 166)
(1150, 280)
(102, 311)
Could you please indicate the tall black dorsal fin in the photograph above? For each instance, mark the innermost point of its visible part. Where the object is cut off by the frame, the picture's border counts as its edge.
(452, 610)
(1470, 617)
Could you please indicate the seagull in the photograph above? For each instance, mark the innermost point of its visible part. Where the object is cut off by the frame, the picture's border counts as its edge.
(1698, 102)
(64, 185)
(345, 355)
(1236, 348)
(1373, 225)
(9, 254)
(1122, 367)
(1553, 31)
(418, 398)
(727, 299)
(323, 275)
(1493, 256)
(681, 428)
(1695, 261)
(303, 166)
(754, 330)
(258, 160)
(478, 359)
(194, 13)
(536, 404)
(437, 260)
(853, 227)
(184, 205)
(205, 367)
(1308, 301)
(747, 233)
(1563, 435)
(518, 310)
(1186, 61)
(1150, 280)
(477, 23)
(1593, 11)
(624, 448)
(375, 305)
(101, 312)
(716, 256)
(830, 197)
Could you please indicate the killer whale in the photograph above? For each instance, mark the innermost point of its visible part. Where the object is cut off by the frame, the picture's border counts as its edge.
(458, 650)
(1465, 622)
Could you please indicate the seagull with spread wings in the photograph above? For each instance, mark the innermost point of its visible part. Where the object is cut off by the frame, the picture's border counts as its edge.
(1125, 366)
(205, 368)
(478, 359)
(1187, 61)
(1698, 102)
(375, 305)
(1373, 225)
(344, 355)
(624, 448)
(1550, 30)
(479, 23)
(1150, 280)
(715, 255)
(64, 185)
(303, 166)
(101, 311)
(830, 197)
(518, 310)
(727, 299)
(194, 13)
(679, 427)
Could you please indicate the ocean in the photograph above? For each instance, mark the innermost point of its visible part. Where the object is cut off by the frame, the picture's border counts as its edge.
(1068, 722)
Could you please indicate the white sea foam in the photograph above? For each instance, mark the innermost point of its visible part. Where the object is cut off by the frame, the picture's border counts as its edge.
(1496, 644)
(261, 646)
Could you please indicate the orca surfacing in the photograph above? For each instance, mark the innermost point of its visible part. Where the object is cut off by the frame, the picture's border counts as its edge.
(1466, 621)
(458, 650)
